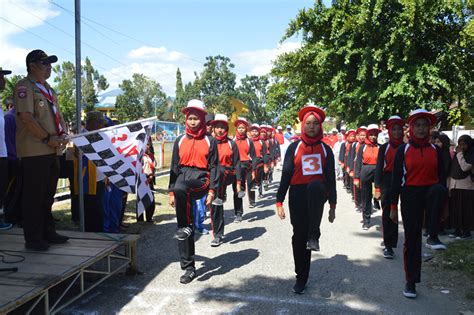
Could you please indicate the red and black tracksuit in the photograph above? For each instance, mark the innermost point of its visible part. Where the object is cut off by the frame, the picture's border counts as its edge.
(364, 171)
(420, 181)
(248, 164)
(228, 173)
(193, 173)
(308, 172)
(261, 153)
(382, 183)
(356, 194)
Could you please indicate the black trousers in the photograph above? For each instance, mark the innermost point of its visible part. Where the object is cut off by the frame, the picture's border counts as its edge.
(93, 209)
(3, 180)
(185, 191)
(366, 180)
(40, 178)
(389, 228)
(217, 212)
(245, 183)
(259, 174)
(356, 194)
(12, 203)
(306, 204)
(415, 200)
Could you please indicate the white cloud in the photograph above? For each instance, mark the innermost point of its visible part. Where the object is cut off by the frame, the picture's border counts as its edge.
(158, 53)
(259, 62)
(13, 12)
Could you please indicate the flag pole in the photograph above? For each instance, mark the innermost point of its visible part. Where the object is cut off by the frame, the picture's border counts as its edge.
(77, 14)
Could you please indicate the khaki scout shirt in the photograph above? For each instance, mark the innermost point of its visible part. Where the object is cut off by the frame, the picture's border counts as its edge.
(28, 98)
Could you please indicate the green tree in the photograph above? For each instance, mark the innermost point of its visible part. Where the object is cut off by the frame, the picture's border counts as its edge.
(217, 84)
(368, 59)
(66, 89)
(180, 101)
(142, 97)
(10, 82)
(92, 84)
(253, 91)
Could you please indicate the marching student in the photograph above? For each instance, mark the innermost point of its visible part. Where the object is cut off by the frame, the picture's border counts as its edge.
(420, 181)
(350, 138)
(382, 182)
(228, 172)
(247, 166)
(266, 157)
(364, 171)
(308, 172)
(361, 134)
(193, 174)
(260, 154)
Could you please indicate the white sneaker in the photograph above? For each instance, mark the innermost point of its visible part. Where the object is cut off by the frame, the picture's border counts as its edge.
(241, 194)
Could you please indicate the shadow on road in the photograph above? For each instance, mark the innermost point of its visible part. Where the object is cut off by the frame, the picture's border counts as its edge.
(244, 235)
(258, 215)
(225, 263)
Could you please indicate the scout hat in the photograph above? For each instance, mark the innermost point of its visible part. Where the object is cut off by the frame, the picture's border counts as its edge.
(39, 55)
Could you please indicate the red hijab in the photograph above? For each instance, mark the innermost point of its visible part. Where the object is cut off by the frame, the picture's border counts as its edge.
(223, 138)
(307, 139)
(421, 142)
(371, 132)
(262, 136)
(394, 142)
(200, 132)
(237, 135)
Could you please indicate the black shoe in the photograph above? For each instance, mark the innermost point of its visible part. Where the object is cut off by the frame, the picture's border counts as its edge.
(435, 243)
(260, 196)
(57, 239)
(466, 235)
(183, 233)
(299, 287)
(388, 253)
(252, 205)
(365, 226)
(39, 246)
(410, 290)
(188, 276)
(313, 244)
(238, 218)
(217, 241)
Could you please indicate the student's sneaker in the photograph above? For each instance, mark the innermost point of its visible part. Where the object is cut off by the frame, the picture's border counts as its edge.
(241, 194)
(238, 218)
(188, 276)
(466, 235)
(265, 185)
(183, 233)
(435, 244)
(410, 290)
(252, 205)
(365, 226)
(203, 231)
(455, 234)
(313, 244)
(218, 202)
(260, 196)
(217, 241)
(388, 253)
(57, 238)
(5, 226)
(255, 188)
(299, 287)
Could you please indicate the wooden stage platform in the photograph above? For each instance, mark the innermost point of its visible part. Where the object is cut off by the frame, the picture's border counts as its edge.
(46, 282)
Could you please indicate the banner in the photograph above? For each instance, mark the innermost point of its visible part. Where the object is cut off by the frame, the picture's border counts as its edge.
(117, 153)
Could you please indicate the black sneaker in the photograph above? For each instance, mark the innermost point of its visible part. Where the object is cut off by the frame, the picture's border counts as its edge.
(435, 243)
(217, 241)
(410, 290)
(299, 287)
(313, 244)
(183, 233)
(188, 276)
(238, 218)
(365, 226)
(252, 205)
(455, 234)
(466, 235)
(39, 246)
(388, 253)
(260, 196)
(57, 239)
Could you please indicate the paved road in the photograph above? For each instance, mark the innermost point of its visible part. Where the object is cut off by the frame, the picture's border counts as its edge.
(252, 272)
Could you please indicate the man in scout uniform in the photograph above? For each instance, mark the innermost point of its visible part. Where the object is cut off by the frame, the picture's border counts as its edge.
(40, 136)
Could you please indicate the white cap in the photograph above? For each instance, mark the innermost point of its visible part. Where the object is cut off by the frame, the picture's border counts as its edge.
(279, 128)
(221, 117)
(255, 126)
(194, 104)
(373, 127)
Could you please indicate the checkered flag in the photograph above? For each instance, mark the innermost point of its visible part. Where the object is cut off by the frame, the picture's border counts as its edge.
(117, 153)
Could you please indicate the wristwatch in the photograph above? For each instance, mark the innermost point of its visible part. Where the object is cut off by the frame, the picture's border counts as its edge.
(46, 140)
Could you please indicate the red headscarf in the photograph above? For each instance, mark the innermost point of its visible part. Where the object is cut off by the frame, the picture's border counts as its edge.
(421, 142)
(263, 136)
(201, 131)
(371, 132)
(394, 142)
(309, 140)
(223, 138)
(237, 135)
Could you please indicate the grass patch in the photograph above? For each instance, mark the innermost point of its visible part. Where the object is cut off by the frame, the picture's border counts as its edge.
(163, 211)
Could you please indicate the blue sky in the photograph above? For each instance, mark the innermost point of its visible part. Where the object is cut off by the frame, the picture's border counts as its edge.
(166, 34)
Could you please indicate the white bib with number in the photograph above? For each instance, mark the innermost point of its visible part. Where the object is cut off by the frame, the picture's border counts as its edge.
(311, 164)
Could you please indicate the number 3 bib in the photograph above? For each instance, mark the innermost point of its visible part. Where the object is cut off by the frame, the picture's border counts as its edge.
(311, 164)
